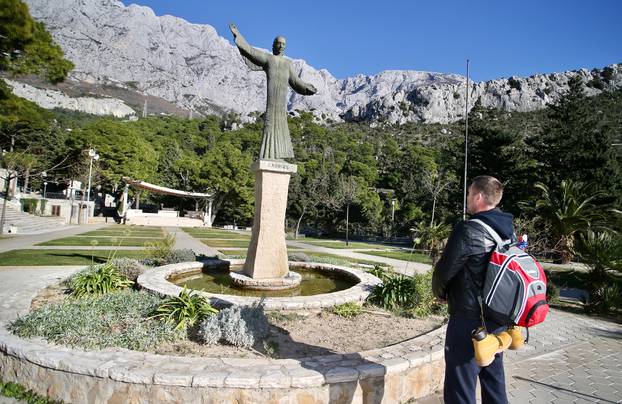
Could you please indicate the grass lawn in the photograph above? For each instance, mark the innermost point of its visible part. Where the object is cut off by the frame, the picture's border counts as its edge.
(341, 244)
(234, 243)
(401, 255)
(128, 232)
(199, 232)
(101, 241)
(63, 257)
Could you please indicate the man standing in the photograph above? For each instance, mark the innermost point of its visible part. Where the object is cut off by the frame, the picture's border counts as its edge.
(458, 279)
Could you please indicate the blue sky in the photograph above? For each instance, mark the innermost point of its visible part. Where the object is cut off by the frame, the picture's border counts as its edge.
(501, 38)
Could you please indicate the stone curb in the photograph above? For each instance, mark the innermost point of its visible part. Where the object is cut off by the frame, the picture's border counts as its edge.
(146, 368)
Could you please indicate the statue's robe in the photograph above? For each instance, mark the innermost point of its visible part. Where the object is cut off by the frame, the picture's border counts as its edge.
(276, 143)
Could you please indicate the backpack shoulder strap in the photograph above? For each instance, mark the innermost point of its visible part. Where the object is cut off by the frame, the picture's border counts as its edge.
(491, 231)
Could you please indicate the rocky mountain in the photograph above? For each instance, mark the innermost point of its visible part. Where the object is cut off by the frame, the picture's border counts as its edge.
(191, 66)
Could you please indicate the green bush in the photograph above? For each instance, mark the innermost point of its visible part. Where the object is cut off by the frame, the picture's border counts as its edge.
(403, 293)
(182, 255)
(347, 309)
(98, 280)
(395, 291)
(42, 206)
(117, 319)
(19, 392)
(423, 301)
(128, 267)
(552, 292)
(184, 310)
(29, 205)
(160, 249)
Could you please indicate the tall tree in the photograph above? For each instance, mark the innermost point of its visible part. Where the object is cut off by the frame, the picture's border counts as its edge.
(26, 46)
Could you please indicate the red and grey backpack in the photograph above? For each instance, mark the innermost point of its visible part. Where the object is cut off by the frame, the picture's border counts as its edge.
(515, 285)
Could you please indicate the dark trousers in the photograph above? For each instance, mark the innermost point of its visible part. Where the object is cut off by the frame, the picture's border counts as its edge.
(461, 371)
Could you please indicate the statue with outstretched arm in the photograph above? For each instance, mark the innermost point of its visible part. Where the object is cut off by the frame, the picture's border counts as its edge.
(276, 143)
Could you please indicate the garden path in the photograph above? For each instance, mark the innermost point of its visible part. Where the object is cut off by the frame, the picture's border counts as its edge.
(23, 241)
(399, 266)
(185, 240)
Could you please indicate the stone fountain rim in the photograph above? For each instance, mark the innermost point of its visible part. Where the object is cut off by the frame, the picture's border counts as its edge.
(156, 281)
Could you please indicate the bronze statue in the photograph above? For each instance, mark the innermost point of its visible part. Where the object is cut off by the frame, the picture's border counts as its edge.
(276, 143)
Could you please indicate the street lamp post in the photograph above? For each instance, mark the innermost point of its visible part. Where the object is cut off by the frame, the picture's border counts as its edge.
(45, 188)
(93, 156)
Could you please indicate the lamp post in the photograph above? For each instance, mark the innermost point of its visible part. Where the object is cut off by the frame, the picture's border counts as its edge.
(93, 156)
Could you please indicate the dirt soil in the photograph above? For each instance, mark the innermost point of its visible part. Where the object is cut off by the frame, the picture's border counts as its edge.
(300, 334)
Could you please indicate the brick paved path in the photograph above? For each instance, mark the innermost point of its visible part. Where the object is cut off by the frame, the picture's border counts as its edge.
(570, 358)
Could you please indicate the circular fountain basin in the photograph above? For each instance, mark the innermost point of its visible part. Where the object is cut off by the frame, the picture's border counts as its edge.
(227, 281)
(162, 280)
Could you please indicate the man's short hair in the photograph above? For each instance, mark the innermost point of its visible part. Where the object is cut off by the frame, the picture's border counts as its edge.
(490, 187)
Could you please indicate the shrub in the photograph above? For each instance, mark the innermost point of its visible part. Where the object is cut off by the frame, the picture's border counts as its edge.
(347, 309)
(552, 292)
(160, 249)
(98, 280)
(184, 310)
(42, 206)
(176, 256)
(19, 392)
(423, 301)
(128, 267)
(240, 326)
(117, 319)
(29, 205)
(414, 294)
(395, 291)
(298, 257)
(515, 84)
(379, 272)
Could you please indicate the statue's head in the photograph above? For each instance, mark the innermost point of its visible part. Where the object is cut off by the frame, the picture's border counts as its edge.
(278, 46)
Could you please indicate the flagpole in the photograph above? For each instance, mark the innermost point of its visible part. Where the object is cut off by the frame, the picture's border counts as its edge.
(466, 143)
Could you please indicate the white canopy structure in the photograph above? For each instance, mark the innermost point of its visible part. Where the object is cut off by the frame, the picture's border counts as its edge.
(207, 219)
(164, 190)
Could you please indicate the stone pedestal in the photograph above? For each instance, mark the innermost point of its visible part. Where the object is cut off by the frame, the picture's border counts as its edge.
(267, 252)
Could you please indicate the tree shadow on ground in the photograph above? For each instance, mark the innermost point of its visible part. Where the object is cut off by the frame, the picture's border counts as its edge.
(351, 377)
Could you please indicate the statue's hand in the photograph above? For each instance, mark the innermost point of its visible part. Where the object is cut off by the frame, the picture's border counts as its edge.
(234, 29)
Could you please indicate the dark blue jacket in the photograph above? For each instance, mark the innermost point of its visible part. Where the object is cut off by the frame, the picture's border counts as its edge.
(459, 274)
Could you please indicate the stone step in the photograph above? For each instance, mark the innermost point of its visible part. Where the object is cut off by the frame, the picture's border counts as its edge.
(27, 223)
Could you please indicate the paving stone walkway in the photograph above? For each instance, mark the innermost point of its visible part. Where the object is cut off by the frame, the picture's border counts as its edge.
(570, 358)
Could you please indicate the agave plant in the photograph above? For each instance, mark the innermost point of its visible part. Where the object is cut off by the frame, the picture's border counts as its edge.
(184, 310)
(395, 291)
(98, 280)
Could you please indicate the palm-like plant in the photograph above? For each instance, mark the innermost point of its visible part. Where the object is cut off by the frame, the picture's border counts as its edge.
(569, 210)
(432, 238)
(184, 310)
(602, 252)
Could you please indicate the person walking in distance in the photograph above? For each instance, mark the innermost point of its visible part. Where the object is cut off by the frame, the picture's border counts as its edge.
(458, 280)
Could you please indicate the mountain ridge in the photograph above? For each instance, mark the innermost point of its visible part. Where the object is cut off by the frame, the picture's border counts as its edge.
(193, 67)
